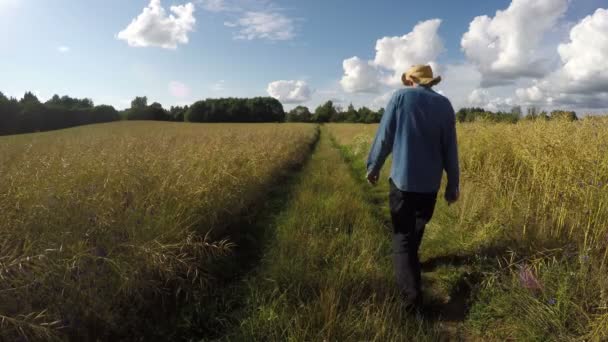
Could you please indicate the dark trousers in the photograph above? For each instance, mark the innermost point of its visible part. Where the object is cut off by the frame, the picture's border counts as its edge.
(410, 212)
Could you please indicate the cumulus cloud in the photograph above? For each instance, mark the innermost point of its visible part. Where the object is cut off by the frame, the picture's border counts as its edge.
(421, 46)
(506, 47)
(290, 91)
(179, 90)
(394, 55)
(459, 80)
(482, 98)
(266, 25)
(154, 27)
(582, 78)
(585, 57)
(530, 95)
(360, 76)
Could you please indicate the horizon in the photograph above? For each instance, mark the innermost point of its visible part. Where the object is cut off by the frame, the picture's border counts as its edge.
(495, 54)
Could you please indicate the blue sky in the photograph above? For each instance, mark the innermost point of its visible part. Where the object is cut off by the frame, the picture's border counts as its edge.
(240, 47)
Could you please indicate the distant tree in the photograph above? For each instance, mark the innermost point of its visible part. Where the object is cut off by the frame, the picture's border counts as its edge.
(474, 114)
(104, 113)
(139, 102)
(9, 111)
(178, 113)
(516, 111)
(30, 98)
(338, 115)
(461, 115)
(66, 102)
(258, 109)
(351, 115)
(366, 115)
(564, 115)
(532, 113)
(324, 112)
(299, 114)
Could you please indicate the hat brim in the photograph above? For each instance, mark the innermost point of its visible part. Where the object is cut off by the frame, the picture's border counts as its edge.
(430, 81)
(427, 82)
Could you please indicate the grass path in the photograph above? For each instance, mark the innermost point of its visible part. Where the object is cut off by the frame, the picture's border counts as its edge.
(326, 273)
(451, 270)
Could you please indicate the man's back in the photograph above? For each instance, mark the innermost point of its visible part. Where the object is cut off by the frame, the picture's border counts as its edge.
(419, 129)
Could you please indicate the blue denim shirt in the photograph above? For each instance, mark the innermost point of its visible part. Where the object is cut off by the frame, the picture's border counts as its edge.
(419, 129)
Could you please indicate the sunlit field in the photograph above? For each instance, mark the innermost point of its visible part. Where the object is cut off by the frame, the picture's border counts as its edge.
(243, 232)
(101, 226)
(534, 216)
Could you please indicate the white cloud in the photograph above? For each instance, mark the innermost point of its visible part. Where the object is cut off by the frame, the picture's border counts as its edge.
(266, 25)
(382, 100)
(63, 49)
(421, 46)
(506, 47)
(458, 81)
(215, 5)
(582, 78)
(530, 95)
(219, 86)
(290, 91)
(585, 57)
(179, 90)
(394, 55)
(482, 98)
(153, 27)
(360, 76)
(478, 97)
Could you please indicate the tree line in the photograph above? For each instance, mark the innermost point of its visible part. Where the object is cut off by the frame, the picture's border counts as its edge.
(328, 112)
(514, 115)
(29, 114)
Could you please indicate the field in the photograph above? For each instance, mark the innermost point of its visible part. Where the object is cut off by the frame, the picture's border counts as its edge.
(101, 226)
(268, 232)
(529, 235)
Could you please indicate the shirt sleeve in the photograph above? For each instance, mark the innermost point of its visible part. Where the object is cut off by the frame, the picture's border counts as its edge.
(383, 142)
(450, 152)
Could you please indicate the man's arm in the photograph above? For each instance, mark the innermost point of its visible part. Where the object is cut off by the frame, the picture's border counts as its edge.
(383, 143)
(450, 157)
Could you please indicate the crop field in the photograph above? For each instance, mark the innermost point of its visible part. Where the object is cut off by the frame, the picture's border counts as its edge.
(529, 236)
(268, 232)
(101, 224)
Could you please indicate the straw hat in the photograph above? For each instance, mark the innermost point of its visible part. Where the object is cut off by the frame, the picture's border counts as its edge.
(421, 74)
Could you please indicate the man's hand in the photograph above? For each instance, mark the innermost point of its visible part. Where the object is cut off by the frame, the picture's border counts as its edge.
(372, 178)
(452, 196)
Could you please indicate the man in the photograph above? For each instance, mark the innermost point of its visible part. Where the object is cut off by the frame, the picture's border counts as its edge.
(419, 129)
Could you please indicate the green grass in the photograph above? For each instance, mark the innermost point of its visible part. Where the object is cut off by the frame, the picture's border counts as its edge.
(326, 274)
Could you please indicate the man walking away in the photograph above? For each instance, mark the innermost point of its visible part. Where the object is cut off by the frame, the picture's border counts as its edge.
(419, 129)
